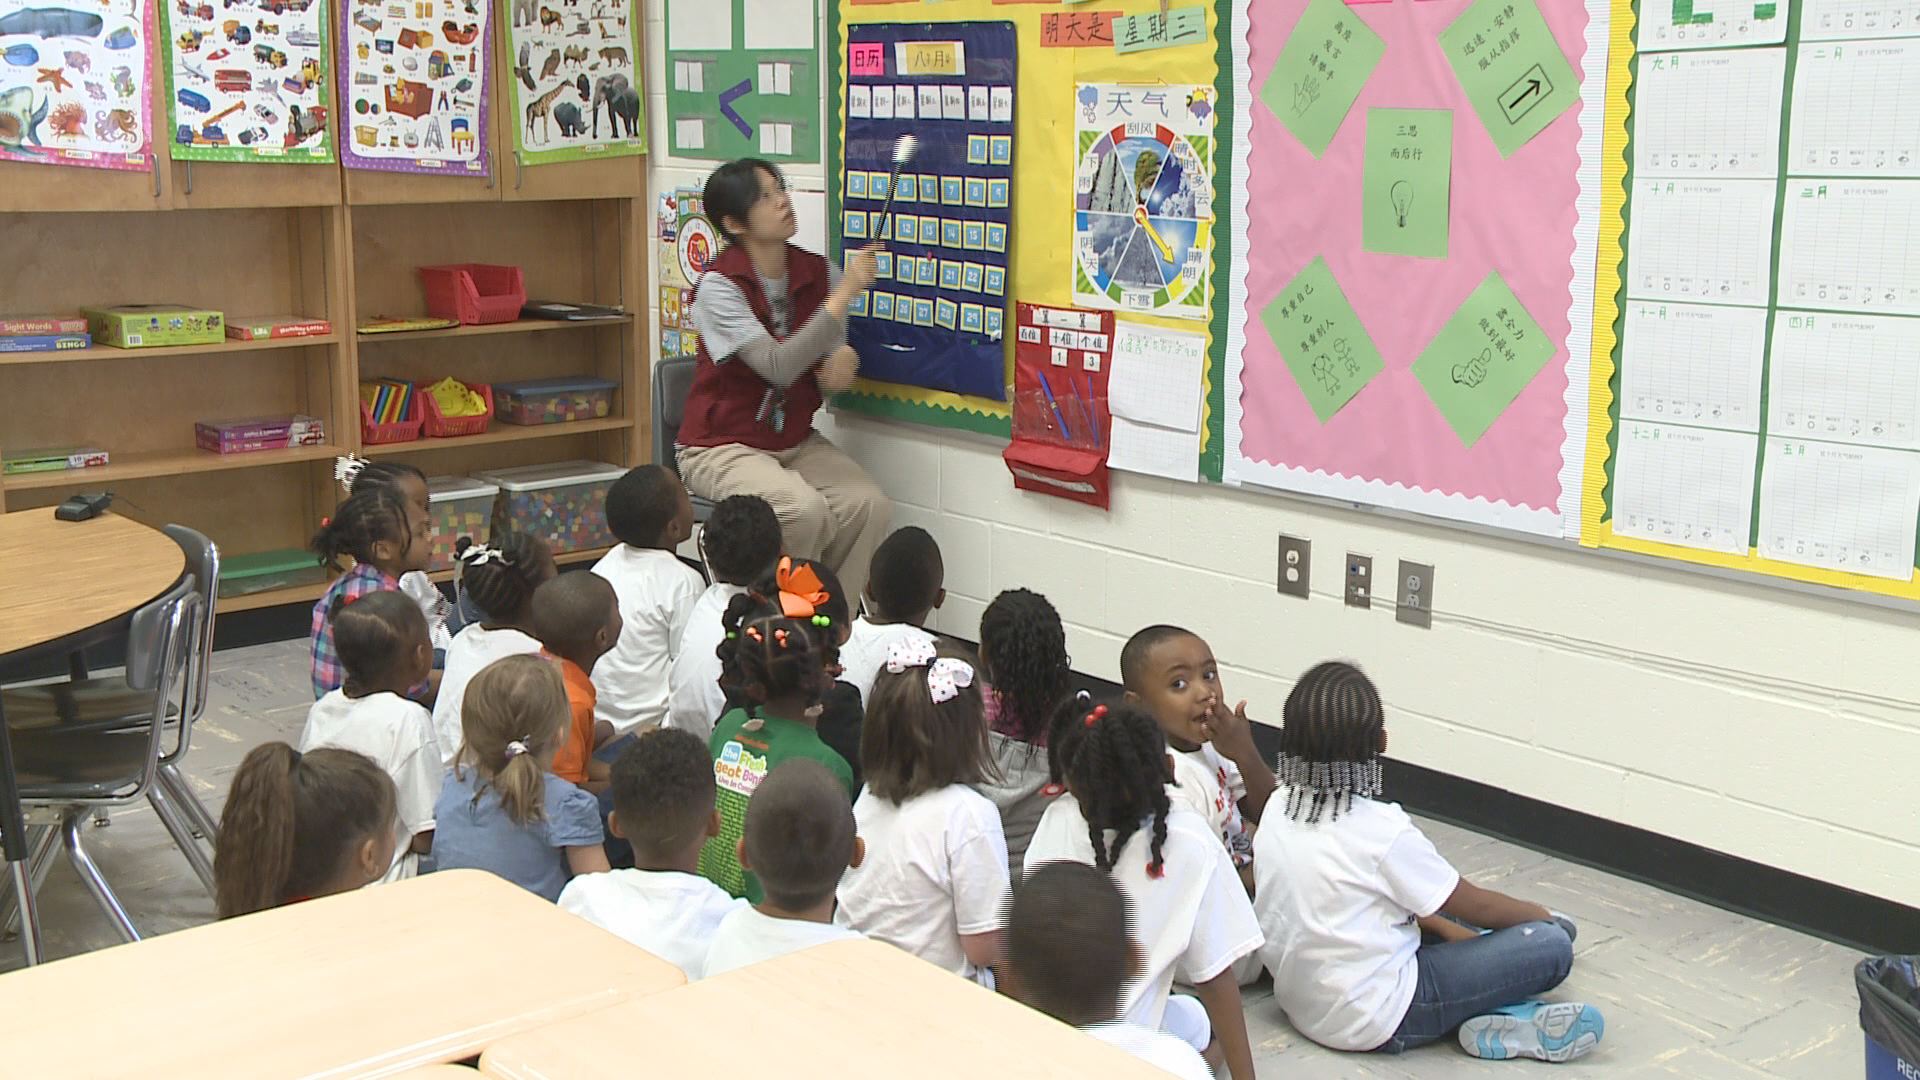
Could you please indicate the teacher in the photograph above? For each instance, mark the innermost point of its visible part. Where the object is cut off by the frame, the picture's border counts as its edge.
(773, 340)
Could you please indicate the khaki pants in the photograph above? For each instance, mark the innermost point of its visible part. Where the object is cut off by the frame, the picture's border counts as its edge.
(829, 508)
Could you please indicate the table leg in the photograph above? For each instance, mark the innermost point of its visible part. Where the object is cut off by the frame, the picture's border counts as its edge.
(13, 844)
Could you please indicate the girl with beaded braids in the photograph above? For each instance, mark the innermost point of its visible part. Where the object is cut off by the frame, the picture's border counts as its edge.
(1023, 658)
(1347, 884)
(1191, 913)
(500, 576)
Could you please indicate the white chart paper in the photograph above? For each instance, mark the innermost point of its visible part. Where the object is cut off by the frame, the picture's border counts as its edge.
(1701, 240)
(1713, 23)
(1156, 451)
(1845, 378)
(1826, 20)
(1846, 508)
(699, 26)
(1856, 109)
(1847, 245)
(1697, 364)
(1686, 486)
(1156, 376)
(778, 24)
(1709, 113)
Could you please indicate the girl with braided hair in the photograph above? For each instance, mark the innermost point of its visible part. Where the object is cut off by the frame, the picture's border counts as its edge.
(1023, 658)
(384, 537)
(1347, 884)
(1191, 913)
(500, 576)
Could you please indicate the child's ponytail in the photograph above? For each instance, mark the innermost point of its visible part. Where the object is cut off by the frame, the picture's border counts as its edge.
(501, 575)
(291, 822)
(363, 520)
(512, 719)
(1118, 771)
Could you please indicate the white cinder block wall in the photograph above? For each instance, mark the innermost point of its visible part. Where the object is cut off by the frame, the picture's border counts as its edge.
(1768, 724)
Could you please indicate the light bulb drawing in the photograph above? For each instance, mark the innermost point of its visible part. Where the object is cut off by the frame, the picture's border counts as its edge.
(1402, 195)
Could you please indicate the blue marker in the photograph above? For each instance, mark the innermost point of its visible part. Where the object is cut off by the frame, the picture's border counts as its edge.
(1093, 411)
(1065, 431)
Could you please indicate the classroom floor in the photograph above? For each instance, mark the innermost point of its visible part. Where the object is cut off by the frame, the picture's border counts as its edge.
(1688, 990)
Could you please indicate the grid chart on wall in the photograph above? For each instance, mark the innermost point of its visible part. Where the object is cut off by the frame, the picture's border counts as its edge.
(1770, 347)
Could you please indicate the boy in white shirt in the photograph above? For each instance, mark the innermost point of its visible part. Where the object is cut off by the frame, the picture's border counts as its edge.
(798, 839)
(649, 513)
(384, 645)
(1348, 884)
(906, 585)
(663, 791)
(740, 543)
(1069, 952)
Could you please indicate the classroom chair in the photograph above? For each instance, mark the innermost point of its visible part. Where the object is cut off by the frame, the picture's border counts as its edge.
(672, 381)
(66, 775)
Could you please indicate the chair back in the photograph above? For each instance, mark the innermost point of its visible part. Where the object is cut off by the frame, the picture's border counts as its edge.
(203, 562)
(672, 382)
(158, 645)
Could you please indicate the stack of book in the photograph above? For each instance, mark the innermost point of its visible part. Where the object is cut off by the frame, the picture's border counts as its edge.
(43, 333)
(388, 401)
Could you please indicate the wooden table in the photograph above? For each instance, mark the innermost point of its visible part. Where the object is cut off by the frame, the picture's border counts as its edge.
(368, 983)
(846, 1011)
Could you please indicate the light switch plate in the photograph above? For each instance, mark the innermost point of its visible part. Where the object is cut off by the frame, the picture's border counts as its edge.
(1416, 595)
(1296, 562)
(1359, 581)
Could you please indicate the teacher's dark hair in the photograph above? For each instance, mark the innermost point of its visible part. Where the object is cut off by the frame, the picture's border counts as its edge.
(733, 189)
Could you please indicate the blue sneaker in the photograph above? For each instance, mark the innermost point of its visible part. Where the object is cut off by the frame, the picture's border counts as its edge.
(1556, 1032)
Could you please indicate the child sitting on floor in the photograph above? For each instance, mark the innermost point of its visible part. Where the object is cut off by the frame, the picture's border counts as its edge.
(500, 810)
(799, 838)
(905, 586)
(357, 474)
(383, 644)
(1069, 953)
(841, 714)
(663, 807)
(934, 882)
(577, 619)
(1347, 884)
(649, 513)
(1023, 657)
(297, 826)
(501, 577)
(740, 543)
(387, 537)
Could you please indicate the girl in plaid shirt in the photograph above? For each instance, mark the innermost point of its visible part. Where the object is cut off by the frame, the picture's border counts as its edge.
(386, 536)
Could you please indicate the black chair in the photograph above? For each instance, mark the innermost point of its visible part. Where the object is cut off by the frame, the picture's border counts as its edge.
(672, 381)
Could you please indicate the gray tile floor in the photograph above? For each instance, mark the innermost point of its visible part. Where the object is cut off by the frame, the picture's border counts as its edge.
(1688, 990)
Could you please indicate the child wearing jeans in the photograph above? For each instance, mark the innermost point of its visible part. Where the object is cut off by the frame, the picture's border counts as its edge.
(649, 513)
(1348, 883)
(297, 826)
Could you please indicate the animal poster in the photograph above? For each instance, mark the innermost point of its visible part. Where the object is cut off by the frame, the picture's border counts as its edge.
(73, 85)
(1143, 198)
(576, 89)
(414, 93)
(248, 80)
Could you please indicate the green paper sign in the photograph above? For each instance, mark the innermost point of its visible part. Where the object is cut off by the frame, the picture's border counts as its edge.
(1404, 194)
(1511, 68)
(1481, 360)
(1320, 72)
(1321, 339)
(743, 79)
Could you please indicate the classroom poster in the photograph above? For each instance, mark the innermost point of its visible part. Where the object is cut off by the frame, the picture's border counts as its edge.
(1143, 198)
(414, 75)
(743, 79)
(687, 245)
(73, 87)
(248, 81)
(576, 90)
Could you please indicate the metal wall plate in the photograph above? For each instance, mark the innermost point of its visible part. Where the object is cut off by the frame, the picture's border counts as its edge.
(1416, 594)
(1359, 580)
(1296, 564)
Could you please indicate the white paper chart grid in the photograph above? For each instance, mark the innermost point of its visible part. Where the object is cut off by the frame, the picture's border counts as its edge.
(1697, 364)
(1845, 378)
(1709, 113)
(1846, 508)
(1701, 240)
(1825, 20)
(1686, 486)
(1847, 245)
(1714, 23)
(1856, 109)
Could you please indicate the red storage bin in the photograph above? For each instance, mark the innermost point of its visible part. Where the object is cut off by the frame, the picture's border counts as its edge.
(474, 293)
(445, 427)
(406, 429)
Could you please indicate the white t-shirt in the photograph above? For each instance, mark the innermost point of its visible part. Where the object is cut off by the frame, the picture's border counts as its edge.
(473, 648)
(656, 592)
(747, 937)
(1193, 921)
(864, 655)
(1156, 1048)
(1338, 901)
(397, 735)
(1206, 783)
(936, 868)
(670, 914)
(694, 698)
(433, 604)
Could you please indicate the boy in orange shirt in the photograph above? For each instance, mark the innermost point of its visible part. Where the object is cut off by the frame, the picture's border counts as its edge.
(577, 618)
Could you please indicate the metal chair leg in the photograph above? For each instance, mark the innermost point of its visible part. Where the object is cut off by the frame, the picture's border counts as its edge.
(42, 842)
(171, 816)
(91, 877)
(177, 784)
(30, 916)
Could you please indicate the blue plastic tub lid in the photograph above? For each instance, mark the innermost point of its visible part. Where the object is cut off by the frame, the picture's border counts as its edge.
(565, 384)
(561, 474)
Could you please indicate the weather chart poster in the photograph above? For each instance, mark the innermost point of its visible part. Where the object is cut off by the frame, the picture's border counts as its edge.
(73, 87)
(1143, 197)
(415, 85)
(248, 80)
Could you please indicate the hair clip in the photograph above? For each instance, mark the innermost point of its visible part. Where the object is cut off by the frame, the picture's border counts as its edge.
(902, 655)
(733, 635)
(326, 522)
(1098, 714)
(801, 592)
(754, 633)
(946, 677)
(1157, 870)
(516, 747)
(822, 621)
(1052, 791)
(346, 469)
(780, 638)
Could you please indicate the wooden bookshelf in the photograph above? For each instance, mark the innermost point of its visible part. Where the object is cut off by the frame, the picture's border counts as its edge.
(109, 352)
(140, 465)
(521, 326)
(500, 433)
(307, 594)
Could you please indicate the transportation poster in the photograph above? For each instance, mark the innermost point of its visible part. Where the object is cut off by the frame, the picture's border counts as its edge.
(414, 85)
(73, 83)
(576, 90)
(248, 80)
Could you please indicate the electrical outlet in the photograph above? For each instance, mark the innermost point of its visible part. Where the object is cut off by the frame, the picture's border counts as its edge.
(1296, 562)
(1416, 594)
(1359, 580)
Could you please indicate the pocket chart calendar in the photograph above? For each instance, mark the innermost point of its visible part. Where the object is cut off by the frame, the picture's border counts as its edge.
(935, 315)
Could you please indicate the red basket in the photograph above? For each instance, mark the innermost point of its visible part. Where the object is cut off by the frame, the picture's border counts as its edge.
(446, 427)
(405, 430)
(474, 293)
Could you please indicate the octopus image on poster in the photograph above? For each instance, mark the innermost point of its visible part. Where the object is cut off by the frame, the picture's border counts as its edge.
(1143, 198)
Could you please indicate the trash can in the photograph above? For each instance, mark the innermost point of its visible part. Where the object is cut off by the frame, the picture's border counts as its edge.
(1890, 1015)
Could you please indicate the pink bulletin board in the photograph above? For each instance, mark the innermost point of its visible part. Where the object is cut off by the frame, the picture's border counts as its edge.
(1521, 216)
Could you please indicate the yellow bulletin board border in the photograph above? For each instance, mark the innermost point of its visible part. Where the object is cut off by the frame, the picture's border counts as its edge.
(1039, 265)
(1596, 517)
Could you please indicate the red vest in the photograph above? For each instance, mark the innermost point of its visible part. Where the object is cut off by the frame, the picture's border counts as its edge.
(730, 403)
